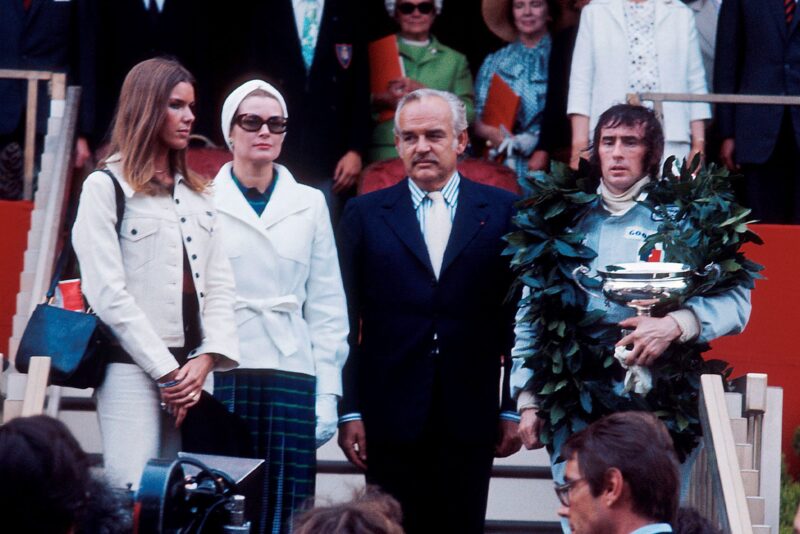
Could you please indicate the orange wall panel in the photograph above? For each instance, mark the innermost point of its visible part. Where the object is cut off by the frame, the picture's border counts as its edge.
(769, 344)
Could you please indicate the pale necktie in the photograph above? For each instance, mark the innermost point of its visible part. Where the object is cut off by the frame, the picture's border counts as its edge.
(437, 229)
(310, 31)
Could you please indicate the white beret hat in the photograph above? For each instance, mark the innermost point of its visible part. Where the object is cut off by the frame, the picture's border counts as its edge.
(390, 5)
(235, 99)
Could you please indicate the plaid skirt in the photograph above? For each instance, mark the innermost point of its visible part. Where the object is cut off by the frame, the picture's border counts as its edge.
(278, 408)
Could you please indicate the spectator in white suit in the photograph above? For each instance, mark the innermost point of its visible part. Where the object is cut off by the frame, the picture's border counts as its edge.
(637, 46)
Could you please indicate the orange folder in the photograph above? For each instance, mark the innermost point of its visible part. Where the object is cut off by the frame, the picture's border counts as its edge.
(501, 105)
(385, 65)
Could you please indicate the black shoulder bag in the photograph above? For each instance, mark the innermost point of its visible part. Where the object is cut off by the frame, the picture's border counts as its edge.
(75, 341)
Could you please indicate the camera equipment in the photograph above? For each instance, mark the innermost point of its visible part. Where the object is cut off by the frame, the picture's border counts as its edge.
(186, 496)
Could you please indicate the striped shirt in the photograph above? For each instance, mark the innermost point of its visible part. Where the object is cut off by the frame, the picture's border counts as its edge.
(422, 203)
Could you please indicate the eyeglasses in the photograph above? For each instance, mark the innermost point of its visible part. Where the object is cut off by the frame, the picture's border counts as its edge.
(562, 490)
(250, 122)
(407, 8)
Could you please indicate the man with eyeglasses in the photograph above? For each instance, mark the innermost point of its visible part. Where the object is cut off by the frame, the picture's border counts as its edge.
(621, 477)
(627, 149)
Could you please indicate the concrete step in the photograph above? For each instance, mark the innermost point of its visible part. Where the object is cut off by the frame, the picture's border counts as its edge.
(744, 453)
(757, 507)
(762, 529)
(26, 281)
(750, 479)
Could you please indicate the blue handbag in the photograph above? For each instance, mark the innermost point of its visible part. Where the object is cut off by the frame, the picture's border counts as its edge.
(75, 341)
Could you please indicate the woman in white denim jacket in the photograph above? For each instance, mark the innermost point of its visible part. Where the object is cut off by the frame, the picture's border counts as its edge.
(163, 286)
(290, 303)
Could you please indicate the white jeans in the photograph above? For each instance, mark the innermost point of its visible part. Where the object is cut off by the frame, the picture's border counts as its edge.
(133, 426)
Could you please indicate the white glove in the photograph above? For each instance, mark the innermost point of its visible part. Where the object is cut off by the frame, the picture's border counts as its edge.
(326, 417)
(638, 378)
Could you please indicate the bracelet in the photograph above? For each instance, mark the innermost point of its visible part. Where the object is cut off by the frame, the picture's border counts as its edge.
(171, 383)
(527, 407)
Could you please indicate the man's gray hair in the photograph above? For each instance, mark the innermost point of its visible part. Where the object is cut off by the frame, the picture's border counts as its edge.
(457, 109)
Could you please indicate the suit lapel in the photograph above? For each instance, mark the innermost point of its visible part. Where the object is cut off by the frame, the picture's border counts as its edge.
(398, 212)
(779, 16)
(471, 216)
(793, 25)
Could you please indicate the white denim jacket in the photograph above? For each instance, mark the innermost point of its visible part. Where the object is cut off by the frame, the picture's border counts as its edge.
(134, 281)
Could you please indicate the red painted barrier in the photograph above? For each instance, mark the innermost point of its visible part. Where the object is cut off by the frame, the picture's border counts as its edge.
(15, 220)
(768, 344)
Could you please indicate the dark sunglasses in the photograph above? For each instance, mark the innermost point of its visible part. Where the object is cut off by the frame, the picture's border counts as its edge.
(407, 8)
(250, 122)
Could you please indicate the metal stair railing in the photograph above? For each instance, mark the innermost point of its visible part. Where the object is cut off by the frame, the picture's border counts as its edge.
(658, 99)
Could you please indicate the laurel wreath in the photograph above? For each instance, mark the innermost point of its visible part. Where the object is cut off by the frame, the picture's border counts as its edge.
(571, 353)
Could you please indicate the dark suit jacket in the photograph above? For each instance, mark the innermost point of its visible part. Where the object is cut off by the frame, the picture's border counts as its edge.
(396, 304)
(556, 133)
(756, 53)
(328, 107)
(53, 36)
(188, 30)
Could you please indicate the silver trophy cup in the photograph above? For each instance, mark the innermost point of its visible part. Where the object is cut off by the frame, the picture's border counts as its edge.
(647, 287)
(651, 289)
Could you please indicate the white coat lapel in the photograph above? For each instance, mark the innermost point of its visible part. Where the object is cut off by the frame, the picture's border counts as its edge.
(615, 7)
(663, 9)
(229, 200)
(284, 201)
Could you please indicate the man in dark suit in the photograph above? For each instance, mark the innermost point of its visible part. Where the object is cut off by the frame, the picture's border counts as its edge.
(52, 36)
(758, 52)
(426, 287)
(320, 65)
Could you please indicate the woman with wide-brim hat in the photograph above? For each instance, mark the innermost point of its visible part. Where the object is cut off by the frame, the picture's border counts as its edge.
(522, 64)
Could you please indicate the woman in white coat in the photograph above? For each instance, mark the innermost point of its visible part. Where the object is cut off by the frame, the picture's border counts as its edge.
(636, 46)
(290, 304)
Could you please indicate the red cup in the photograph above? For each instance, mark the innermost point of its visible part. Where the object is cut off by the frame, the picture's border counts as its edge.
(71, 296)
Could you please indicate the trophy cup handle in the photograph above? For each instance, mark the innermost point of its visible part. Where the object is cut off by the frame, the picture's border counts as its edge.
(580, 272)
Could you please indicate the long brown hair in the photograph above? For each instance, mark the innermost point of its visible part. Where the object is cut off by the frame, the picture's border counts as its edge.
(141, 110)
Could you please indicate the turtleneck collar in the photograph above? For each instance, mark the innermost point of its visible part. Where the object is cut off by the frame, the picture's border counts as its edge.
(619, 204)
